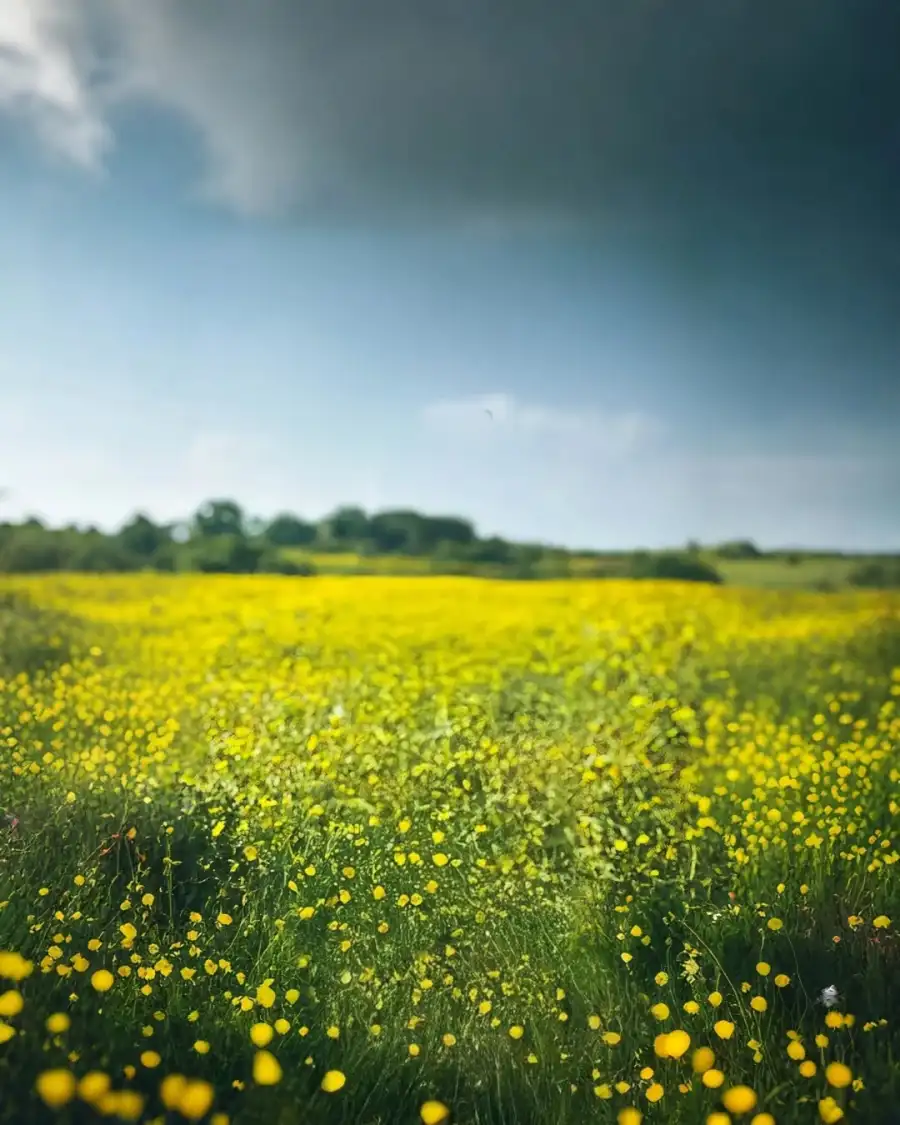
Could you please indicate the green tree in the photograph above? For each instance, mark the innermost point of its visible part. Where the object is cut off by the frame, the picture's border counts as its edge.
(218, 517)
(345, 529)
(683, 568)
(143, 538)
(286, 530)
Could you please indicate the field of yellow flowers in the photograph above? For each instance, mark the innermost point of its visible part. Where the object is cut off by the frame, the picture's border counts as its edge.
(397, 850)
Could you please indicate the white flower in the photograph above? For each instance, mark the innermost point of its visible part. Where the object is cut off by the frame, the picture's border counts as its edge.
(829, 996)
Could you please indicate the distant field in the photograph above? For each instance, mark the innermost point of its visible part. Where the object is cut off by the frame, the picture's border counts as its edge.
(809, 573)
(348, 562)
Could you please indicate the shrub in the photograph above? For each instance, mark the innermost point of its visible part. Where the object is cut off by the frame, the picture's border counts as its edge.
(681, 568)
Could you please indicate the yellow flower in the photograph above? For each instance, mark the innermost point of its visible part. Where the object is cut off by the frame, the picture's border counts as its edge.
(261, 1035)
(56, 1088)
(703, 1059)
(654, 1092)
(763, 968)
(807, 1068)
(150, 1059)
(830, 1111)
(739, 1099)
(201, 1046)
(102, 980)
(611, 1038)
(775, 924)
(759, 1004)
(691, 1007)
(660, 1011)
(439, 859)
(762, 1119)
(170, 1090)
(839, 1075)
(713, 1078)
(266, 1069)
(93, 1085)
(195, 1098)
(13, 966)
(717, 1118)
(677, 1043)
(796, 1050)
(881, 922)
(715, 998)
(661, 979)
(333, 1080)
(724, 1029)
(629, 1116)
(265, 996)
(434, 1113)
(516, 1031)
(782, 980)
(11, 1003)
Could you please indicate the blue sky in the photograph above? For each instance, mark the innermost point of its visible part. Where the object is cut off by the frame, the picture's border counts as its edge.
(194, 303)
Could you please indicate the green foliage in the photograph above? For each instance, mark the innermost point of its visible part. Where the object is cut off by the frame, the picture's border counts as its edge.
(275, 562)
(218, 518)
(739, 549)
(225, 554)
(286, 530)
(682, 568)
(222, 538)
(880, 574)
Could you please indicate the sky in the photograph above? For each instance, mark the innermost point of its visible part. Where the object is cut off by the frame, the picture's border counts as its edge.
(601, 274)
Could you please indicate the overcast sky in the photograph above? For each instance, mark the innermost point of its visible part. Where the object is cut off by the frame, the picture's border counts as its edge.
(594, 272)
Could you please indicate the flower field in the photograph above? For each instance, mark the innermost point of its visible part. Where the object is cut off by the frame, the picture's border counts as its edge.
(419, 849)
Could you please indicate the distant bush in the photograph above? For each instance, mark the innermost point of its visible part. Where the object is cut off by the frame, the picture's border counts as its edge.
(31, 550)
(225, 554)
(883, 574)
(682, 568)
(739, 549)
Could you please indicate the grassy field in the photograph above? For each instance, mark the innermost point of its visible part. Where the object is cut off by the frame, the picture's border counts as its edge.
(389, 850)
(810, 572)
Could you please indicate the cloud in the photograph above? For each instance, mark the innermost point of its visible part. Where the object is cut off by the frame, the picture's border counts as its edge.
(46, 74)
(517, 110)
(500, 415)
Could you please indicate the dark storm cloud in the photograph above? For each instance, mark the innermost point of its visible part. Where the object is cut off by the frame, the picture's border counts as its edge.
(565, 111)
(586, 107)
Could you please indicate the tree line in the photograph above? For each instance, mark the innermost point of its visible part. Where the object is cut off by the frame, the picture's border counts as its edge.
(221, 537)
